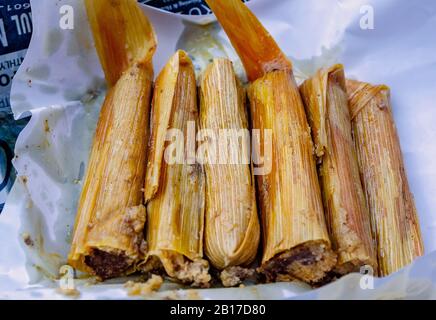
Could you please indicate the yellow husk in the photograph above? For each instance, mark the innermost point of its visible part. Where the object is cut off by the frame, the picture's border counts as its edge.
(111, 216)
(295, 238)
(122, 34)
(390, 202)
(232, 227)
(175, 192)
(347, 216)
(292, 212)
(257, 49)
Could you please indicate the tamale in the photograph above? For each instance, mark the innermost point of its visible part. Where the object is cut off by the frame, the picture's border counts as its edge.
(232, 227)
(348, 220)
(174, 193)
(296, 243)
(108, 233)
(391, 204)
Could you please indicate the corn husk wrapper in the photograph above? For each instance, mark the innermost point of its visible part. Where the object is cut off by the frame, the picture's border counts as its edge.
(384, 179)
(232, 226)
(296, 244)
(123, 35)
(257, 49)
(108, 233)
(347, 216)
(174, 188)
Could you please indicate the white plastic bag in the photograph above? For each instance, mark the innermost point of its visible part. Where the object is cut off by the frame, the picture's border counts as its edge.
(61, 84)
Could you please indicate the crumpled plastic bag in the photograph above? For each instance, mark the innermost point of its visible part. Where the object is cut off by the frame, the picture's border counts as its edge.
(61, 84)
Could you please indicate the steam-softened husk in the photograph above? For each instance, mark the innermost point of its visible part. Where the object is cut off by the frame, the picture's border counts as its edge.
(232, 228)
(347, 216)
(294, 230)
(110, 218)
(295, 239)
(384, 179)
(175, 191)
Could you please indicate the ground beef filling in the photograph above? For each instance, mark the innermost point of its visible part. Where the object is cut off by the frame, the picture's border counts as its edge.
(280, 266)
(107, 265)
(308, 263)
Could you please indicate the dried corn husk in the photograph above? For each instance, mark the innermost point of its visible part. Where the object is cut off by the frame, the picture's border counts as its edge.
(122, 34)
(175, 191)
(232, 227)
(347, 216)
(257, 49)
(108, 232)
(390, 202)
(296, 242)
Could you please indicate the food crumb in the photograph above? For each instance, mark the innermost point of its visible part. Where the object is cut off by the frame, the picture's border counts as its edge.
(171, 295)
(28, 240)
(234, 276)
(192, 294)
(46, 127)
(29, 204)
(143, 289)
(69, 292)
(23, 179)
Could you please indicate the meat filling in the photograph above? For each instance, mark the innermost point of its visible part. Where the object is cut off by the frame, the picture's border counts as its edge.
(309, 263)
(107, 265)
